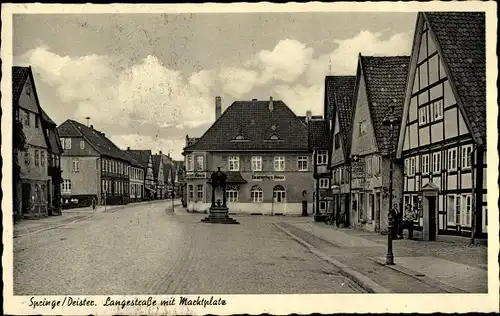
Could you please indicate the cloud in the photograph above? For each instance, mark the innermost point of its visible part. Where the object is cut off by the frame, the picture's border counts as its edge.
(344, 56)
(302, 98)
(137, 141)
(237, 81)
(203, 81)
(286, 62)
(110, 90)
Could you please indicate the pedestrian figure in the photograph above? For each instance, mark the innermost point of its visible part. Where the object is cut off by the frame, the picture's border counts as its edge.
(395, 221)
(93, 203)
(408, 218)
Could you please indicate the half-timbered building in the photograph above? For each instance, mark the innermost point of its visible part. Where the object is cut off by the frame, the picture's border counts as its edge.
(443, 135)
(144, 157)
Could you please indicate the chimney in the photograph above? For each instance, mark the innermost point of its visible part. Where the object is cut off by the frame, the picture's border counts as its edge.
(254, 100)
(88, 120)
(218, 107)
(160, 153)
(271, 104)
(92, 126)
(308, 116)
(128, 148)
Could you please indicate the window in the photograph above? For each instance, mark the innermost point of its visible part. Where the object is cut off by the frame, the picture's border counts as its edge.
(322, 205)
(76, 164)
(66, 187)
(425, 164)
(234, 163)
(189, 163)
(410, 166)
(279, 163)
(82, 144)
(37, 122)
(256, 163)
(336, 139)
(362, 128)
(256, 194)
(67, 143)
(422, 117)
(27, 119)
(42, 158)
(199, 193)
(302, 163)
(457, 209)
(323, 183)
(232, 194)
(279, 194)
(190, 192)
(37, 157)
(322, 157)
(369, 166)
(467, 209)
(376, 165)
(199, 163)
(466, 156)
(452, 159)
(436, 162)
(437, 107)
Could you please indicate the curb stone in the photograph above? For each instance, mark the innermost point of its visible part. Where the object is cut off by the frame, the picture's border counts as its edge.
(51, 227)
(363, 281)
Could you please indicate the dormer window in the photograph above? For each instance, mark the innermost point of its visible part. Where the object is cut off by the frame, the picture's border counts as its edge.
(274, 137)
(240, 137)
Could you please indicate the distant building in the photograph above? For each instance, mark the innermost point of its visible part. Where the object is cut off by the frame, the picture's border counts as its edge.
(380, 87)
(35, 189)
(136, 177)
(263, 148)
(158, 175)
(179, 181)
(339, 92)
(93, 167)
(145, 158)
(443, 134)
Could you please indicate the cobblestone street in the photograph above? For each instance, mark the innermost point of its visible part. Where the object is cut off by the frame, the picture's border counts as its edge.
(147, 249)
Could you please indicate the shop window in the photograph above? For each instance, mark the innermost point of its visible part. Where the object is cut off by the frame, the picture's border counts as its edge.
(232, 194)
(256, 194)
(279, 194)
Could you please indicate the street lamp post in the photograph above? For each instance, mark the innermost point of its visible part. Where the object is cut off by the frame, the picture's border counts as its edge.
(390, 121)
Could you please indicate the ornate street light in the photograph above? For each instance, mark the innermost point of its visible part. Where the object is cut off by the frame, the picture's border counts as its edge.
(390, 121)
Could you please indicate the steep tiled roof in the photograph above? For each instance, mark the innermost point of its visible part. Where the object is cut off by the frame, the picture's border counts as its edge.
(19, 76)
(141, 155)
(461, 37)
(133, 159)
(53, 135)
(318, 134)
(339, 91)
(47, 119)
(98, 140)
(156, 165)
(167, 168)
(385, 79)
(257, 124)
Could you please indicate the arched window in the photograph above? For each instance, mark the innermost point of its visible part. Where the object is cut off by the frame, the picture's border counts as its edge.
(256, 194)
(274, 137)
(232, 193)
(279, 194)
(240, 137)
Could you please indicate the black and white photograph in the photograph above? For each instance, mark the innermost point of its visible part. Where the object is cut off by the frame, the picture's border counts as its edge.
(249, 158)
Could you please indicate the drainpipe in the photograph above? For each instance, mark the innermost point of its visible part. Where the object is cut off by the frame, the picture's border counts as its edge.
(473, 202)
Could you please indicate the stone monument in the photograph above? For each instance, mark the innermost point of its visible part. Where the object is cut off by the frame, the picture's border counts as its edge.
(219, 212)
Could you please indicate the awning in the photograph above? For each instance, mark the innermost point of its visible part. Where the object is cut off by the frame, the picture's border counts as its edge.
(233, 177)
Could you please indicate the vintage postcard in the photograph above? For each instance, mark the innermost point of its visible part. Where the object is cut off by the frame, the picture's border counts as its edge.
(249, 158)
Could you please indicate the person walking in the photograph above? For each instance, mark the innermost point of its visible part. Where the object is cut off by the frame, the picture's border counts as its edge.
(408, 218)
(93, 203)
(396, 220)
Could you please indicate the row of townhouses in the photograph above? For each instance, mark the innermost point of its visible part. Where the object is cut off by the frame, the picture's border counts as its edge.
(73, 164)
(281, 163)
(438, 99)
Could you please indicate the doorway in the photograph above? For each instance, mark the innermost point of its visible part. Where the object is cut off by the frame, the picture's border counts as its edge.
(432, 217)
(26, 199)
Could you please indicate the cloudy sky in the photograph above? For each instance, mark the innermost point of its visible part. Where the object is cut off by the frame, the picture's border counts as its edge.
(147, 80)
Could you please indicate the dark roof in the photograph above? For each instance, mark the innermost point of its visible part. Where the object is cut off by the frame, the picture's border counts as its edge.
(318, 135)
(19, 76)
(98, 140)
(385, 79)
(461, 37)
(141, 155)
(156, 165)
(167, 168)
(233, 177)
(47, 119)
(339, 92)
(257, 124)
(53, 135)
(133, 159)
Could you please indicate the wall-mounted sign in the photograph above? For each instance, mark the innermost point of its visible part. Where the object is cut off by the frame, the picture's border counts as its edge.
(196, 175)
(271, 177)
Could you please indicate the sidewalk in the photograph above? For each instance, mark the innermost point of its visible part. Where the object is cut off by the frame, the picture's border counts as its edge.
(31, 226)
(420, 266)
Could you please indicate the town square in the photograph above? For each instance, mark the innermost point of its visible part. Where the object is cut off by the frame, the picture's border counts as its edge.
(249, 153)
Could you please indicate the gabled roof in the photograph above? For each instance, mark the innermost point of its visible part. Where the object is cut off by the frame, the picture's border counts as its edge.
(96, 139)
(53, 135)
(461, 38)
(318, 134)
(339, 92)
(257, 124)
(19, 76)
(385, 79)
(141, 155)
(156, 165)
(167, 169)
(47, 119)
(133, 159)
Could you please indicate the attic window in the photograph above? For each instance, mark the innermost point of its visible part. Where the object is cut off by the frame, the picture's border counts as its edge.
(274, 137)
(239, 137)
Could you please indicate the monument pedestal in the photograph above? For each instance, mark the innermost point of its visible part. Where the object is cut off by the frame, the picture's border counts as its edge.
(219, 215)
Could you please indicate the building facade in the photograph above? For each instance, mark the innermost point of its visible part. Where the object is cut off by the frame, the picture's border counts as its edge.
(136, 178)
(339, 92)
(145, 158)
(263, 148)
(159, 176)
(379, 92)
(443, 136)
(93, 167)
(33, 189)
